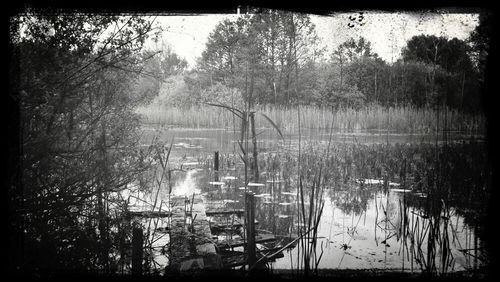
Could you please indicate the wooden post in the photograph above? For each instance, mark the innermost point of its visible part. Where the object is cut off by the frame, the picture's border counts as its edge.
(216, 165)
(137, 241)
(255, 153)
(475, 245)
(250, 222)
(404, 173)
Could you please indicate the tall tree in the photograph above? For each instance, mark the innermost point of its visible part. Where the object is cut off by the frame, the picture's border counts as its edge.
(480, 40)
(171, 63)
(453, 77)
(263, 55)
(353, 50)
(352, 67)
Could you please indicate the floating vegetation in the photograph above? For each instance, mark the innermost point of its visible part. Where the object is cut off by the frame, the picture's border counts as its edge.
(401, 190)
(187, 146)
(229, 178)
(216, 183)
(230, 201)
(262, 195)
(251, 184)
(370, 181)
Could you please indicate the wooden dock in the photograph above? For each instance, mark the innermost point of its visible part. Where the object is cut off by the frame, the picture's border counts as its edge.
(191, 244)
(190, 238)
(221, 211)
(221, 226)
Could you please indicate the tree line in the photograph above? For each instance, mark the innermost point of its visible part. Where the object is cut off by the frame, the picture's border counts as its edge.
(275, 57)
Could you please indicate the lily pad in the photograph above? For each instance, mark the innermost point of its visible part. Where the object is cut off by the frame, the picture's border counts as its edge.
(401, 190)
(229, 178)
(255, 184)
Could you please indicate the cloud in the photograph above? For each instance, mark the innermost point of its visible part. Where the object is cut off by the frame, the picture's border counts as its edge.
(187, 35)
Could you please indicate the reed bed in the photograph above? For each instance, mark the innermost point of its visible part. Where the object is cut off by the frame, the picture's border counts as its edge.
(455, 179)
(454, 182)
(459, 172)
(374, 117)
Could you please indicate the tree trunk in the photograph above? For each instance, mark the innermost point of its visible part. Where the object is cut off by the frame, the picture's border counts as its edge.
(250, 222)
(101, 209)
(137, 251)
(255, 153)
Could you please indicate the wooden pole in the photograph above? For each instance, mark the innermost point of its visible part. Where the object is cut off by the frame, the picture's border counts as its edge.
(137, 242)
(250, 222)
(216, 165)
(255, 153)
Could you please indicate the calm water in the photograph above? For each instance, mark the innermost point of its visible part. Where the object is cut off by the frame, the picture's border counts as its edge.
(196, 142)
(365, 227)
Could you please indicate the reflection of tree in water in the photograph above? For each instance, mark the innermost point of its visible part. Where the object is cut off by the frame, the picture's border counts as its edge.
(275, 218)
(352, 200)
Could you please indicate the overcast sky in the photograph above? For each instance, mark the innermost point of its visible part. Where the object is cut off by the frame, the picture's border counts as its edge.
(388, 32)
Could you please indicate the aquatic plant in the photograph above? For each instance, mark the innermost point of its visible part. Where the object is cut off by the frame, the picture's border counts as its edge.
(401, 119)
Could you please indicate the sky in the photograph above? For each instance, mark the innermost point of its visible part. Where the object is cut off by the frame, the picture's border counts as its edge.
(387, 32)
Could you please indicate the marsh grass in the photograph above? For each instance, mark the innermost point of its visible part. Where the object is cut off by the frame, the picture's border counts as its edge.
(454, 177)
(423, 227)
(402, 119)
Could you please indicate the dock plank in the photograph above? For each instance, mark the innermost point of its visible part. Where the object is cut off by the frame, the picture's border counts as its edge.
(213, 212)
(150, 214)
(233, 243)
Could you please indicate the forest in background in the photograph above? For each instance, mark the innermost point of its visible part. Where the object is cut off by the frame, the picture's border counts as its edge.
(275, 58)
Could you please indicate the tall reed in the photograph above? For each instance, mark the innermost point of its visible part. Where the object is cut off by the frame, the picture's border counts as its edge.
(373, 117)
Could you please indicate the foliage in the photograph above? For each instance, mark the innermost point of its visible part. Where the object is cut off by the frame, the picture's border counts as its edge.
(171, 63)
(451, 55)
(264, 56)
(221, 94)
(352, 50)
(458, 78)
(480, 40)
(75, 78)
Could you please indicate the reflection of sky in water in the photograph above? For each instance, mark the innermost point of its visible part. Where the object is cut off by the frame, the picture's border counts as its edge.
(366, 247)
(187, 186)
